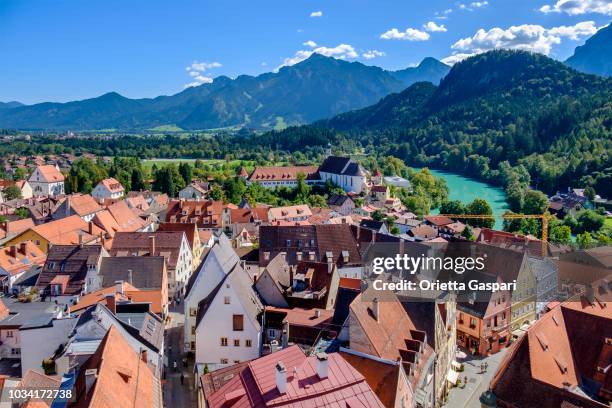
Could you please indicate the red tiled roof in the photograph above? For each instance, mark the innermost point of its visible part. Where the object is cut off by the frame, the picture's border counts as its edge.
(112, 185)
(438, 220)
(18, 258)
(50, 173)
(123, 380)
(83, 204)
(255, 386)
(283, 173)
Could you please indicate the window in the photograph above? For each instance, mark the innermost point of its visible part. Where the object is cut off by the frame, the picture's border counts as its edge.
(9, 333)
(224, 361)
(236, 361)
(224, 341)
(193, 329)
(226, 300)
(193, 311)
(238, 322)
(193, 345)
(236, 342)
(248, 343)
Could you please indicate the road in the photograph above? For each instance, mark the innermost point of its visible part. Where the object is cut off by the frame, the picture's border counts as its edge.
(477, 381)
(175, 393)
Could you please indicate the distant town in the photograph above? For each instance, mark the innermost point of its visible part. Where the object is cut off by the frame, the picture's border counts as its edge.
(229, 284)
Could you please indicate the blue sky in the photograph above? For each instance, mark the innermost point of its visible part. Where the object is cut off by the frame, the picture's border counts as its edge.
(74, 49)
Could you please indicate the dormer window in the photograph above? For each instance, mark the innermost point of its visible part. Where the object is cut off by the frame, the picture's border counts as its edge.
(288, 242)
(299, 256)
(345, 256)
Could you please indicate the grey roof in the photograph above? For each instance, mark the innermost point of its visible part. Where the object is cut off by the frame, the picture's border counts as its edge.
(337, 199)
(221, 252)
(147, 271)
(35, 322)
(341, 165)
(278, 268)
(241, 283)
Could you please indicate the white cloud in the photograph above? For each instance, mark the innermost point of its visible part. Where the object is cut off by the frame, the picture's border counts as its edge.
(310, 43)
(411, 34)
(455, 58)
(583, 29)
(478, 4)
(341, 51)
(197, 72)
(264, 64)
(316, 14)
(575, 7)
(529, 37)
(371, 54)
(433, 27)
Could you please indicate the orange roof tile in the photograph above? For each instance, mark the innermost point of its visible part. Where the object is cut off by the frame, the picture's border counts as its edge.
(83, 204)
(112, 185)
(66, 231)
(16, 259)
(50, 173)
(123, 379)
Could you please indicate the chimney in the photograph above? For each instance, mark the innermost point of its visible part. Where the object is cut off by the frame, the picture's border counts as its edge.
(375, 309)
(23, 248)
(68, 205)
(143, 356)
(281, 377)
(317, 313)
(129, 277)
(322, 365)
(90, 228)
(589, 293)
(90, 378)
(151, 245)
(81, 238)
(13, 251)
(111, 303)
(119, 286)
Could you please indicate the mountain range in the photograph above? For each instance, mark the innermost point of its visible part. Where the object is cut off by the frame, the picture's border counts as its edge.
(316, 88)
(516, 107)
(595, 56)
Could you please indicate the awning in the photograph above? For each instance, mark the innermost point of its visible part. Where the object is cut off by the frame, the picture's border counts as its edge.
(452, 376)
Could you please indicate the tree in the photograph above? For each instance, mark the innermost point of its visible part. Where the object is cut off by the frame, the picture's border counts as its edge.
(302, 190)
(536, 202)
(22, 212)
(20, 173)
(216, 193)
(560, 234)
(84, 174)
(186, 172)
(589, 192)
(589, 221)
(515, 194)
(11, 192)
(584, 240)
(168, 180)
(137, 180)
(395, 230)
(378, 215)
(316, 200)
(452, 207)
(468, 233)
(480, 207)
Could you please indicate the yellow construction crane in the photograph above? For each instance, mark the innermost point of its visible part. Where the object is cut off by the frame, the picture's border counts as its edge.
(544, 217)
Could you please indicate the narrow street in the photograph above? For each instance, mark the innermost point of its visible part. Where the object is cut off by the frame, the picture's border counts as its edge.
(175, 393)
(477, 381)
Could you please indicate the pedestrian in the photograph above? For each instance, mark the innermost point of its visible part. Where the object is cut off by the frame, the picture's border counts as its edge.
(182, 378)
(486, 365)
